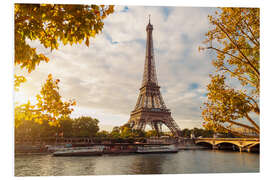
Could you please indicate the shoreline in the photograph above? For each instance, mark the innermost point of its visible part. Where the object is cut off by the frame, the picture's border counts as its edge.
(179, 147)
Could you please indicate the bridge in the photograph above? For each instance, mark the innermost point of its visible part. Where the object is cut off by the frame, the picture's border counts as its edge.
(242, 144)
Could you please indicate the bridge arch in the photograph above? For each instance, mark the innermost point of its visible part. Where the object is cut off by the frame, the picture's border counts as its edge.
(255, 144)
(204, 143)
(254, 147)
(228, 142)
(228, 146)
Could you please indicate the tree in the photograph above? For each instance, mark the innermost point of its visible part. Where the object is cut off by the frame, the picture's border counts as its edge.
(66, 126)
(151, 133)
(115, 132)
(186, 133)
(137, 133)
(51, 24)
(126, 131)
(85, 126)
(49, 107)
(235, 38)
(103, 134)
(29, 129)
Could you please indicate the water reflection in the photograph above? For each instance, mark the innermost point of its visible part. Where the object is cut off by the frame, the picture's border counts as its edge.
(148, 164)
(203, 161)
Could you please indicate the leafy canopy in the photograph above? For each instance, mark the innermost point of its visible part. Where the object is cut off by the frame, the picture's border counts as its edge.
(68, 127)
(53, 24)
(85, 126)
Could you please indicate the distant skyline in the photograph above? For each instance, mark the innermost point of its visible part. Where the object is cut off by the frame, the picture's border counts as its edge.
(105, 78)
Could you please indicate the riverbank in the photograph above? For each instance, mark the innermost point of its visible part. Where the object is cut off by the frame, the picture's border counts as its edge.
(109, 148)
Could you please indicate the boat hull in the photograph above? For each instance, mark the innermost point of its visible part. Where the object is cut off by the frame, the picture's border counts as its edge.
(156, 152)
(157, 149)
(80, 151)
(79, 154)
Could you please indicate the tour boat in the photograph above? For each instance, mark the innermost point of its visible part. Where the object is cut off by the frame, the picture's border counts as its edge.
(157, 149)
(80, 151)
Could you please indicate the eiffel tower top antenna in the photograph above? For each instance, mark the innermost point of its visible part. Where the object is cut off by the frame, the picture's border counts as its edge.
(149, 18)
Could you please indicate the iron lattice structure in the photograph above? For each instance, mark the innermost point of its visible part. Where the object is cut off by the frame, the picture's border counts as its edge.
(150, 108)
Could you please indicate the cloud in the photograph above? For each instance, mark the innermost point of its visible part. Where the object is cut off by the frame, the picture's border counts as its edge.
(106, 77)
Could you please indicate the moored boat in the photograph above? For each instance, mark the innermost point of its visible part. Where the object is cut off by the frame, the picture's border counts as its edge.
(80, 151)
(157, 149)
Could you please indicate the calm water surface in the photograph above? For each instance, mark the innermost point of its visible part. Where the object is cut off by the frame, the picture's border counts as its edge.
(191, 161)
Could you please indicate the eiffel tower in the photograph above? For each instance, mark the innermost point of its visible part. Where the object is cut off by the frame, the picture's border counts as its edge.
(150, 108)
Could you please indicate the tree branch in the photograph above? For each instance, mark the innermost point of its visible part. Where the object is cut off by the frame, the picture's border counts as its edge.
(234, 132)
(240, 77)
(258, 43)
(252, 40)
(252, 122)
(225, 53)
(244, 125)
(255, 103)
(237, 47)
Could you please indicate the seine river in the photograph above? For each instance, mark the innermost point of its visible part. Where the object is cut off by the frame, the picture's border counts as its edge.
(188, 161)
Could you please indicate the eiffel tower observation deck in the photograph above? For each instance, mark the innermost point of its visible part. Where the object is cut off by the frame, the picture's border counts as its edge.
(150, 108)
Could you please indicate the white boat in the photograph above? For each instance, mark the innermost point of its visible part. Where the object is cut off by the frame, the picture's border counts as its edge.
(157, 149)
(80, 151)
(52, 148)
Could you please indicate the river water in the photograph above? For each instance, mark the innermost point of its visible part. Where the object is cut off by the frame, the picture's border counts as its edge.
(185, 161)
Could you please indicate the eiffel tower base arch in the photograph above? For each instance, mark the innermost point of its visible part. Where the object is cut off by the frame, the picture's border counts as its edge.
(155, 120)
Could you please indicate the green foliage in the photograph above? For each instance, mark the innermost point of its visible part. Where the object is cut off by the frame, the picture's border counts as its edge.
(29, 129)
(115, 132)
(138, 133)
(235, 37)
(151, 133)
(67, 127)
(85, 126)
(103, 134)
(186, 133)
(197, 132)
(126, 131)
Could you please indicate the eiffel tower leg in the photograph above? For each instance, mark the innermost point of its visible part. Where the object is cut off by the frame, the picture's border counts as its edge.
(157, 129)
(172, 127)
(143, 126)
(140, 125)
(132, 124)
(160, 127)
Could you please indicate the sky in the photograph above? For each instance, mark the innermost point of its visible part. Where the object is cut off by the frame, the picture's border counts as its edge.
(105, 78)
